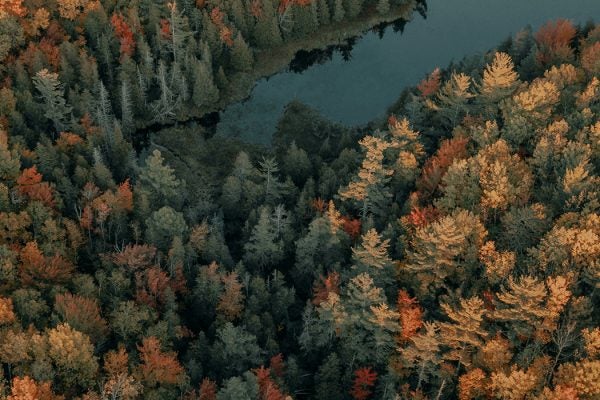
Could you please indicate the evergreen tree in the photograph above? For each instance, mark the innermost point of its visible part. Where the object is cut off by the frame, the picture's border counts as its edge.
(55, 106)
(241, 54)
(263, 249)
(328, 379)
(204, 91)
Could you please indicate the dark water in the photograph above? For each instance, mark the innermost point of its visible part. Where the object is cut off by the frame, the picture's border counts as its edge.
(355, 84)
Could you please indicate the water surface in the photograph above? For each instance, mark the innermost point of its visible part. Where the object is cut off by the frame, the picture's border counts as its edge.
(356, 86)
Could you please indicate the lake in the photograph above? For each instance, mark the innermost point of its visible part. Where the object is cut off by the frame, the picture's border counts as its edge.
(356, 86)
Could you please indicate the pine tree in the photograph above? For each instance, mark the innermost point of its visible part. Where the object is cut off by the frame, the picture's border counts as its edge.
(338, 11)
(445, 250)
(328, 379)
(241, 54)
(423, 352)
(204, 91)
(324, 14)
(263, 249)
(369, 187)
(159, 180)
(464, 335)
(352, 8)
(178, 31)
(453, 98)
(269, 168)
(127, 116)
(499, 80)
(55, 106)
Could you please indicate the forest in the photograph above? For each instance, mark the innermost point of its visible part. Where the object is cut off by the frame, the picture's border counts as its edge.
(451, 251)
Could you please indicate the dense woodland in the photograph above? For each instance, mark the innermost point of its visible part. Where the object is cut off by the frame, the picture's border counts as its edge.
(453, 253)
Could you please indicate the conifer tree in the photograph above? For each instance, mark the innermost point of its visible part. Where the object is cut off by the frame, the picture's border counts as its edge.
(55, 106)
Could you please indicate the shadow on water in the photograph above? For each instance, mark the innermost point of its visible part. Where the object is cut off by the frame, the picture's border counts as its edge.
(305, 59)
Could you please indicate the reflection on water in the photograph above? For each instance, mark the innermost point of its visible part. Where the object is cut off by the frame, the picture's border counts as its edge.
(357, 81)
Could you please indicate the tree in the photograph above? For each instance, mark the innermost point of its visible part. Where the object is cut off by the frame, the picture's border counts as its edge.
(431, 84)
(465, 333)
(499, 80)
(208, 390)
(328, 379)
(125, 35)
(231, 300)
(268, 169)
(423, 353)
(13, 8)
(554, 42)
(73, 356)
(82, 314)
(338, 11)
(352, 8)
(178, 31)
(410, 316)
(373, 252)
(472, 384)
(159, 367)
(30, 184)
(55, 106)
(25, 388)
(364, 380)
(452, 99)
(583, 376)
(446, 249)
(369, 187)
(38, 269)
(204, 90)
(163, 225)
(241, 54)
(234, 350)
(368, 327)
(159, 180)
(7, 315)
(268, 388)
(590, 59)
(263, 249)
(436, 167)
(70, 9)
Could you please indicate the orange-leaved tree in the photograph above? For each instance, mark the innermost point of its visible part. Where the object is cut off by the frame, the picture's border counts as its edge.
(364, 380)
(159, 367)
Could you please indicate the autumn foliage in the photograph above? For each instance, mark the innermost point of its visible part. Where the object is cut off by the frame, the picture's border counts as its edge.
(362, 386)
(38, 269)
(125, 35)
(430, 85)
(411, 315)
(158, 367)
(326, 285)
(30, 185)
(267, 387)
(25, 388)
(554, 40)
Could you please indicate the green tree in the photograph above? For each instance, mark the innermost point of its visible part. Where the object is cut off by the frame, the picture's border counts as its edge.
(328, 380)
(264, 248)
(55, 106)
(159, 180)
(241, 54)
(234, 350)
(204, 90)
(163, 225)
